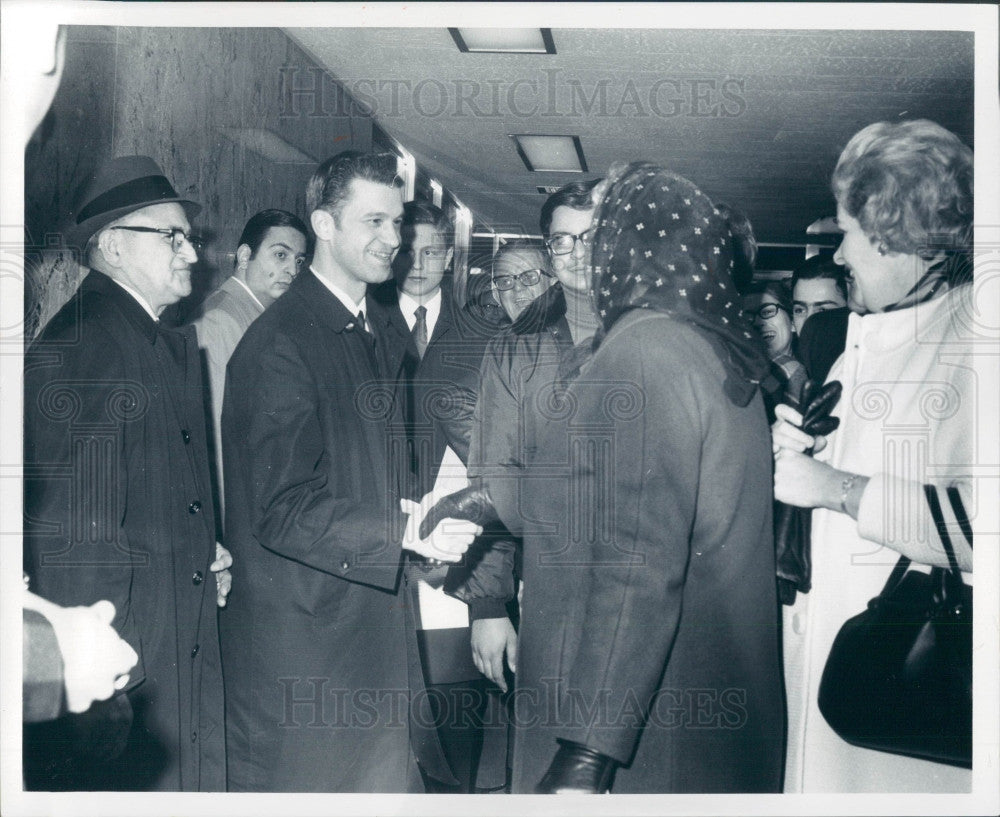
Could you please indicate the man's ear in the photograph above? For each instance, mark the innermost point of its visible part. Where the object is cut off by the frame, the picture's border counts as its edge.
(109, 243)
(322, 224)
(243, 253)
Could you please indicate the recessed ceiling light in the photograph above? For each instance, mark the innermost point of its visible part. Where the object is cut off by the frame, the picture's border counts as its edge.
(550, 154)
(504, 40)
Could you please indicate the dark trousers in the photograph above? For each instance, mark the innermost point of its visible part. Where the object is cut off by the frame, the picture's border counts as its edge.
(458, 711)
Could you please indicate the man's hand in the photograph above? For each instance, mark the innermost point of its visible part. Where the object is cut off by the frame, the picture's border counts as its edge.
(491, 638)
(446, 542)
(223, 578)
(96, 660)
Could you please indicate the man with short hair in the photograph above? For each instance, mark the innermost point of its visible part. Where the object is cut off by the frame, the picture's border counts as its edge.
(319, 646)
(819, 309)
(441, 350)
(525, 371)
(270, 252)
(818, 285)
(117, 495)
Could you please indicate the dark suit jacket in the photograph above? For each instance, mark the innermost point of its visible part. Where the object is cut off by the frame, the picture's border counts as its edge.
(118, 506)
(318, 646)
(822, 341)
(437, 394)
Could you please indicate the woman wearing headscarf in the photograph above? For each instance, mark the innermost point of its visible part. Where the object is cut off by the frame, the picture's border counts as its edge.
(904, 196)
(649, 644)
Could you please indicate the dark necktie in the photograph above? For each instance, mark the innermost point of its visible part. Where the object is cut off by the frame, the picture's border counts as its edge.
(420, 330)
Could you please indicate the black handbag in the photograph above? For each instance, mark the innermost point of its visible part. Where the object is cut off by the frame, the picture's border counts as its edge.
(899, 675)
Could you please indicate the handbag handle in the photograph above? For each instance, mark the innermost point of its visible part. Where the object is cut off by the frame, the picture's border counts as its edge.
(951, 580)
(954, 574)
(958, 507)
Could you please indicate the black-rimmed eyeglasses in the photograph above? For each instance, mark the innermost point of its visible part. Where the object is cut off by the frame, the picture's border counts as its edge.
(765, 312)
(176, 235)
(563, 243)
(528, 278)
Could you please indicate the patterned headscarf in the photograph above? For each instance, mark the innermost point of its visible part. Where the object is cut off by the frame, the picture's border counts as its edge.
(661, 244)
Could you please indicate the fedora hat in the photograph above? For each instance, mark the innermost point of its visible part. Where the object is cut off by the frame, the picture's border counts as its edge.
(121, 186)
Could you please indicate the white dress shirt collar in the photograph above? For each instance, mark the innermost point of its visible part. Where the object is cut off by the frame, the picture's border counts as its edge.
(408, 305)
(142, 301)
(349, 303)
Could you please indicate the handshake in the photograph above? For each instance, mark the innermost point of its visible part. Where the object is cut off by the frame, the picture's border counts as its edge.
(441, 528)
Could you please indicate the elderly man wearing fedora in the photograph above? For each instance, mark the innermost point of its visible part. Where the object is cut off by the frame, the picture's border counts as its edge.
(117, 495)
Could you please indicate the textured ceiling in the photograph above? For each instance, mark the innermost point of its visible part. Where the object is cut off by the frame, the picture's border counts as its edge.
(755, 118)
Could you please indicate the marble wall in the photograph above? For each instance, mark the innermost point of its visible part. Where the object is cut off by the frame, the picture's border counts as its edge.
(213, 106)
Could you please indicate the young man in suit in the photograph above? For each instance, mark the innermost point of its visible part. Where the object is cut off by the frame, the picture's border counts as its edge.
(319, 646)
(270, 253)
(441, 349)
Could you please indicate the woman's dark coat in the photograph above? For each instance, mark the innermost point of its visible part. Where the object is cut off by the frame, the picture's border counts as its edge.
(649, 614)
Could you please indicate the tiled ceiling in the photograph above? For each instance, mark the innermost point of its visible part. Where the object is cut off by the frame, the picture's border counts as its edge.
(755, 118)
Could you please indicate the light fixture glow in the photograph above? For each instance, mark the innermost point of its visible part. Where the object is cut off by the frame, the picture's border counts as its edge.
(269, 145)
(550, 154)
(503, 40)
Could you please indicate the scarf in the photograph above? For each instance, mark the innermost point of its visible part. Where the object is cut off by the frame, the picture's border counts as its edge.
(661, 244)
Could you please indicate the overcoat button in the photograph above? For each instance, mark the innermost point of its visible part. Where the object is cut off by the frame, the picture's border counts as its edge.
(344, 565)
(194, 507)
(194, 652)
(197, 578)
(194, 736)
(185, 436)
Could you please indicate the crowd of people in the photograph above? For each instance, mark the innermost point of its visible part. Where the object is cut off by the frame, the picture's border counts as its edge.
(354, 536)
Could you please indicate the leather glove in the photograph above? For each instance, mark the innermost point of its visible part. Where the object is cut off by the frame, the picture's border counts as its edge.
(472, 503)
(577, 769)
(817, 403)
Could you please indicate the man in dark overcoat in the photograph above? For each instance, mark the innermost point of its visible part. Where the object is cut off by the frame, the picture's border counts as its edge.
(117, 496)
(319, 645)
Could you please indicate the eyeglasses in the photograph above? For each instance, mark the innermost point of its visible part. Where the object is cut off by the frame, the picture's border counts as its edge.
(431, 256)
(564, 243)
(177, 236)
(765, 313)
(528, 278)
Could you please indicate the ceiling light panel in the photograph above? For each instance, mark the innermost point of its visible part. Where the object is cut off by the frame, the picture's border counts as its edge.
(550, 154)
(504, 40)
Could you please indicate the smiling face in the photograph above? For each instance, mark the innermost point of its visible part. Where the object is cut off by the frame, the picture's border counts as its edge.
(420, 264)
(776, 331)
(812, 295)
(573, 269)
(146, 261)
(271, 270)
(512, 263)
(361, 240)
(874, 281)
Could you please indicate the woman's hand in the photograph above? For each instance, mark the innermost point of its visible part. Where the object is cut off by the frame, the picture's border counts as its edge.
(786, 433)
(802, 481)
